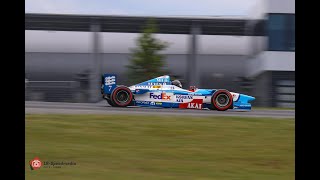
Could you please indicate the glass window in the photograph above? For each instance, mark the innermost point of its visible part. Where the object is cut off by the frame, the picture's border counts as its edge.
(291, 32)
(281, 32)
(276, 32)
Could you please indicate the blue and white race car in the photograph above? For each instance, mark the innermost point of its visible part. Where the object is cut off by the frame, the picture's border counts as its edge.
(162, 92)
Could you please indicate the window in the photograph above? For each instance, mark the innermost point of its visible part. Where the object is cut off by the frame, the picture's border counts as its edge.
(291, 32)
(281, 32)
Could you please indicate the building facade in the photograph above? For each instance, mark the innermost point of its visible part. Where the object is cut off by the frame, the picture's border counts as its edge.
(271, 63)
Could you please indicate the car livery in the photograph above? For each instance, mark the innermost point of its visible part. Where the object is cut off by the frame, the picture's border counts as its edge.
(159, 92)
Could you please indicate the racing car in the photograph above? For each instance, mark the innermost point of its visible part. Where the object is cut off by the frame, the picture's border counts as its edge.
(163, 93)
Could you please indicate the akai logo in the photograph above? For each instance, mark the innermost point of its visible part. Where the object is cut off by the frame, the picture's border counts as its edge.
(194, 104)
(163, 96)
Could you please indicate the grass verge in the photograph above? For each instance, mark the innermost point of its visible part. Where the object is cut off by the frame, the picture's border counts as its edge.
(144, 147)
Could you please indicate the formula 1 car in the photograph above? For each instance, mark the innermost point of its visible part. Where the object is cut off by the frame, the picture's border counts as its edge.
(160, 92)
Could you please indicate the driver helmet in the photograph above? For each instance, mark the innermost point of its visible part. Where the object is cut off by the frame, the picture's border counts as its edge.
(177, 83)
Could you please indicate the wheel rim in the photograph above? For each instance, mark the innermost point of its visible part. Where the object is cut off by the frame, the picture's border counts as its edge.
(122, 96)
(222, 100)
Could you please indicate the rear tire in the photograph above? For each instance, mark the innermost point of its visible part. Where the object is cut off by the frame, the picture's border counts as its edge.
(121, 96)
(109, 101)
(221, 100)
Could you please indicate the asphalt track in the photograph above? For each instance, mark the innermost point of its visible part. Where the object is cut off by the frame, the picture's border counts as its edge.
(32, 107)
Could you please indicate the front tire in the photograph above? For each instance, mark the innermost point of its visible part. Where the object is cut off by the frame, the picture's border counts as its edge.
(221, 100)
(121, 96)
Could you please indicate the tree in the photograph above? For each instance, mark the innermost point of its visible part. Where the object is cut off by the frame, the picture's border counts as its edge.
(146, 62)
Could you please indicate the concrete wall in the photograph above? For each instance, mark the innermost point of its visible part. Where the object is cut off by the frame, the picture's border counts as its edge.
(281, 6)
(271, 61)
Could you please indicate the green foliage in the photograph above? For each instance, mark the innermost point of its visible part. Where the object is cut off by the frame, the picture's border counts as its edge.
(146, 62)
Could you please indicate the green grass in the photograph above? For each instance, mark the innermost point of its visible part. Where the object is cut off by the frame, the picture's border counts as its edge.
(143, 147)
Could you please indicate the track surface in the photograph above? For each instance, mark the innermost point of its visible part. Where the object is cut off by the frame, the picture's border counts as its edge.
(32, 107)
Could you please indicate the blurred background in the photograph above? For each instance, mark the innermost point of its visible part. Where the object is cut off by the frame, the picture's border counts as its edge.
(244, 46)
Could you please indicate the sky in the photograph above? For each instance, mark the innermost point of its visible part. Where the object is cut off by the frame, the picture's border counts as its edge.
(142, 7)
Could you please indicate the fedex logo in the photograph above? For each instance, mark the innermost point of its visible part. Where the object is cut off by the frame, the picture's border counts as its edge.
(160, 96)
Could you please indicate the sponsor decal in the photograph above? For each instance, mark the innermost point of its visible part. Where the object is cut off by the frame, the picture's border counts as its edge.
(110, 80)
(150, 103)
(196, 94)
(158, 86)
(143, 87)
(180, 98)
(141, 91)
(160, 79)
(163, 96)
(194, 104)
(155, 83)
(244, 105)
(143, 102)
